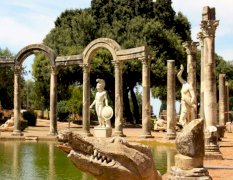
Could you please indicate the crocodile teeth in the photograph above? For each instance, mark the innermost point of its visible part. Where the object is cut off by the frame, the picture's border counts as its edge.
(104, 162)
(98, 155)
(91, 157)
(103, 157)
(95, 152)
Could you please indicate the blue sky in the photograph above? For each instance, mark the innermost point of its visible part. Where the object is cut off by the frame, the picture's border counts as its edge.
(24, 22)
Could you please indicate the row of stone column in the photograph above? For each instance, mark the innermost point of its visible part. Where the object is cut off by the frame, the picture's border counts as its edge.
(17, 102)
(191, 48)
(146, 109)
(208, 96)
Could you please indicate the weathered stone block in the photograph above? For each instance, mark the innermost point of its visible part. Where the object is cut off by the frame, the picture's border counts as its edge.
(187, 163)
(102, 132)
(190, 142)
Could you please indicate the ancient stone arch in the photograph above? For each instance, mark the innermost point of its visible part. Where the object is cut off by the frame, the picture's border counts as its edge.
(33, 49)
(93, 46)
(19, 59)
(119, 56)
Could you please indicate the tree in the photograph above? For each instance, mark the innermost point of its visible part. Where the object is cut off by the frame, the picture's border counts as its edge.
(6, 83)
(130, 23)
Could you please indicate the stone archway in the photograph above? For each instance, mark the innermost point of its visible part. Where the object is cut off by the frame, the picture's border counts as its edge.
(119, 56)
(87, 55)
(19, 59)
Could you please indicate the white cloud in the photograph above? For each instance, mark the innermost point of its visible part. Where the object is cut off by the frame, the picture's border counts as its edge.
(224, 13)
(25, 22)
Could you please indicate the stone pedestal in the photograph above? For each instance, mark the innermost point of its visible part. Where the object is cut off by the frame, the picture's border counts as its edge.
(189, 161)
(190, 168)
(102, 132)
(193, 174)
(212, 151)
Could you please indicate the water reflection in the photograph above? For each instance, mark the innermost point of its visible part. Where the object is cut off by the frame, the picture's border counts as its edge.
(42, 160)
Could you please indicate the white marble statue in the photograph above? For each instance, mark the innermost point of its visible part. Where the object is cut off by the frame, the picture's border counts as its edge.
(8, 125)
(100, 100)
(188, 103)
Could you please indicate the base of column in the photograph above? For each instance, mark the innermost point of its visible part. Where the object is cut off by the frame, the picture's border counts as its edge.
(118, 134)
(192, 174)
(146, 135)
(221, 131)
(17, 133)
(212, 150)
(52, 134)
(170, 135)
(86, 133)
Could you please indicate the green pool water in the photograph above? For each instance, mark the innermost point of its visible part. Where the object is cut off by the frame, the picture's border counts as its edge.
(42, 160)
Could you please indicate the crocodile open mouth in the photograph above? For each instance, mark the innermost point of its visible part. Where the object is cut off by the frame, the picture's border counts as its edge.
(95, 157)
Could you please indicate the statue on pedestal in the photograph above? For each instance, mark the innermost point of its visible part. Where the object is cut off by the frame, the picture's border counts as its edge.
(100, 100)
(188, 103)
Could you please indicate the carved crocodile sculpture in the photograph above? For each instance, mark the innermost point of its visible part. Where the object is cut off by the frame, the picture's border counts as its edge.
(109, 159)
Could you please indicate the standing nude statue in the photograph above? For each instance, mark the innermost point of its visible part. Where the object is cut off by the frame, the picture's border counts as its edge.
(188, 104)
(100, 97)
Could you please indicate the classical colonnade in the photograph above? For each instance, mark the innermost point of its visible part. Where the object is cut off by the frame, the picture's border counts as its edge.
(208, 91)
(120, 56)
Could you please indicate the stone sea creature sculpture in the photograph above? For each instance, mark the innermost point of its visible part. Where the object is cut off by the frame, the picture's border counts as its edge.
(190, 147)
(107, 159)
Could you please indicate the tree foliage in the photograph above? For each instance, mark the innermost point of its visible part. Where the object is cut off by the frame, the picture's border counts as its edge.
(130, 23)
(6, 83)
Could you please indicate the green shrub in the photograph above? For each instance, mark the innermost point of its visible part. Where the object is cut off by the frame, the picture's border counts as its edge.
(30, 117)
(62, 111)
(23, 125)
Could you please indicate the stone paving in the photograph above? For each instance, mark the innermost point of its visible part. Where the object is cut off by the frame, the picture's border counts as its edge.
(218, 169)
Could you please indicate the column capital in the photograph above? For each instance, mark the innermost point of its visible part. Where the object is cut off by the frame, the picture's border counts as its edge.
(209, 27)
(117, 63)
(190, 47)
(53, 70)
(200, 36)
(17, 69)
(86, 67)
(145, 61)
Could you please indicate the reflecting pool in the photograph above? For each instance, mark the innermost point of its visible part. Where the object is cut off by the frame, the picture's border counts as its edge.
(21, 160)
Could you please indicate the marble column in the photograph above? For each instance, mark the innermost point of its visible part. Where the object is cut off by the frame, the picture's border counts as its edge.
(118, 99)
(53, 102)
(221, 102)
(86, 100)
(202, 83)
(227, 106)
(171, 95)
(146, 108)
(208, 27)
(17, 103)
(191, 50)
